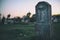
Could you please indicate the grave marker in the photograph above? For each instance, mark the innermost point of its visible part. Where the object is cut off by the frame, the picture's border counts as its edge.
(43, 21)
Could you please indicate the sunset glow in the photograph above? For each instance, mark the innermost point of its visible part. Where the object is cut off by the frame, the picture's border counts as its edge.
(21, 7)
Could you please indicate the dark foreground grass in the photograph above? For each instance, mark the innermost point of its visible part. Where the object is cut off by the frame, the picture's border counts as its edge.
(23, 31)
(17, 32)
(56, 28)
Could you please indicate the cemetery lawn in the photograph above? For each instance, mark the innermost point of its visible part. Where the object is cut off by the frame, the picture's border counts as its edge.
(17, 32)
(23, 31)
(56, 27)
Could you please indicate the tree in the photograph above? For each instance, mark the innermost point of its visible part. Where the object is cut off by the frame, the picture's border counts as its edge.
(26, 18)
(33, 18)
(3, 20)
(28, 14)
(18, 19)
(8, 16)
(0, 15)
(0, 18)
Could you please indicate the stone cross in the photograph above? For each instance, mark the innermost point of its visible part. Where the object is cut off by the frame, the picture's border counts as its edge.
(43, 21)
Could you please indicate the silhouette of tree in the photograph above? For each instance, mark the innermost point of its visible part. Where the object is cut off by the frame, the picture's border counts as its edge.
(8, 16)
(3, 20)
(33, 19)
(28, 14)
(0, 15)
(0, 18)
(27, 18)
(17, 19)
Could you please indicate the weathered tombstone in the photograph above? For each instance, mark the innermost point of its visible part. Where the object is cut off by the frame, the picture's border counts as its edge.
(43, 21)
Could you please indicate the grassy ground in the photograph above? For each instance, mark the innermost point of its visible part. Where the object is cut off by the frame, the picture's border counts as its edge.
(56, 29)
(23, 31)
(17, 32)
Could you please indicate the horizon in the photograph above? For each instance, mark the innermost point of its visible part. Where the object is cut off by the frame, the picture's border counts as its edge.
(22, 7)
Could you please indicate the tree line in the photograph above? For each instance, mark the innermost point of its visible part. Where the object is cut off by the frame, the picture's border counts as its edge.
(25, 19)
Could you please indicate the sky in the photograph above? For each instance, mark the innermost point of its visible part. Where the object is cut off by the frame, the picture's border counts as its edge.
(22, 7)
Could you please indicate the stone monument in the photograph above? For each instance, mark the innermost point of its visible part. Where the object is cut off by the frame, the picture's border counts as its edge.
(43, 21)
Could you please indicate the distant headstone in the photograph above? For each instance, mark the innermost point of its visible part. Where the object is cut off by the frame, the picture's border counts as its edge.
(43, 21)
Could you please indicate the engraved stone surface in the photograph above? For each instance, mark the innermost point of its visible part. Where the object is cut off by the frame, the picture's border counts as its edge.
(43, 21)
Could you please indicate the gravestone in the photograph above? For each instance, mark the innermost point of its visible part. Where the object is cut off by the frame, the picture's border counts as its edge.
(43, 21)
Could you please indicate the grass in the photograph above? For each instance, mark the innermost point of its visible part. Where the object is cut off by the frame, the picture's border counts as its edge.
(56, 29)
(23, 31)
(17, 32)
